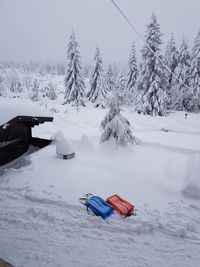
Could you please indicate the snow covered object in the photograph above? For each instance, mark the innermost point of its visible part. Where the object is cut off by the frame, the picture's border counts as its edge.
(64, 147)
(116, 126)
(97, 93)
(121, 206)
(180, 87)
(86, 143)
(74, 82)
(152, 81)
(132, 76)
(16, 122)
(195, 74)
(97, 206)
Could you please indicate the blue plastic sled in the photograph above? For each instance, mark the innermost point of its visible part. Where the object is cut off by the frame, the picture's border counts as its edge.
(98, 206)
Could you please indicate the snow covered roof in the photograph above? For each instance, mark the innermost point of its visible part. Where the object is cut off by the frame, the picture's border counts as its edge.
(10, 108)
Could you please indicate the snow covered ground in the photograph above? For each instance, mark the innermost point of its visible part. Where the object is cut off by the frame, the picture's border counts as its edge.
(43, 224)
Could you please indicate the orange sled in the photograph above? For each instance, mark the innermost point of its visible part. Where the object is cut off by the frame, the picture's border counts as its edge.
(121, 206)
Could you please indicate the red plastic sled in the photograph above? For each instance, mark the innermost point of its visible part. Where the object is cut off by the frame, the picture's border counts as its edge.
(121, 206)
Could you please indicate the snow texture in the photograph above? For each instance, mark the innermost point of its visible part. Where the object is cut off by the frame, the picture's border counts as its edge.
(42, 222)
(191, 182)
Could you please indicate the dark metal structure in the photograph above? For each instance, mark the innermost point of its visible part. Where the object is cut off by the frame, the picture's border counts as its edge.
(16, 137)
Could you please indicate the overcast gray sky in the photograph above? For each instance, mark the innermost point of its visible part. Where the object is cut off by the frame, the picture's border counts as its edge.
(40, 29)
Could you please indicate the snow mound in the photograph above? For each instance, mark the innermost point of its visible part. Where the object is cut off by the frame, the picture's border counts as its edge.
(191, 183)
(10, 108)
(64, 145)
(86, 144)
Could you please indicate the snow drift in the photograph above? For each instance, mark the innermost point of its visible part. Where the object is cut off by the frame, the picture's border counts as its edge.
(191, 182)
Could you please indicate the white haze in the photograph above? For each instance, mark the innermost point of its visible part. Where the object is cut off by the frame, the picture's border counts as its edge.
(40, 29)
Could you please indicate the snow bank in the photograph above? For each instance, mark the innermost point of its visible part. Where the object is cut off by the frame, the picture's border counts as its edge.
(86, 143)
(191, 182)
(10, 108)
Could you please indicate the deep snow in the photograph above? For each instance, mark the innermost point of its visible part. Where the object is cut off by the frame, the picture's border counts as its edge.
(19, 107)
(43, 224)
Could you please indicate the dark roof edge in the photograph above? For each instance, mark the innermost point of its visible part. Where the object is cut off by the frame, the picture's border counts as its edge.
(30, 119)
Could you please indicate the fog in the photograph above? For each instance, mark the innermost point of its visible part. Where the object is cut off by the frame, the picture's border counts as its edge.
(40, 29)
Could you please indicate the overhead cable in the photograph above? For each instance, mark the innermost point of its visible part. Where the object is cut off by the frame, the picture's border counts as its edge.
(141, 37)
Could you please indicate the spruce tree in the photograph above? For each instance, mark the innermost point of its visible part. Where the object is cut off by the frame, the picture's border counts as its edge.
(13, 79)
(152, 80)
(195, 75)
(19, 87)
(50, 91)
(35, 90)
(180, 92)
(132, 76)
(97, 93)
(171, 59)
(109, 79)
(1, 85)
(115, 125)
(121, 89)
(74, 82)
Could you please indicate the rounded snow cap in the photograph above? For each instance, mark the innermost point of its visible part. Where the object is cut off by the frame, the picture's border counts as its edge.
(64, 146)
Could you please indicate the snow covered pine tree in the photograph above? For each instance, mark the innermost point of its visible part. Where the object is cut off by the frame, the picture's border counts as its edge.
(171, 60)
(152, 80)
(121, 89)
(115, 125)
(1, 85)
(97, 93)
(132, 76)
(179, 91)
(74, 82)
(35, 90)
(50, 91)
(195, 74)
(110, 81)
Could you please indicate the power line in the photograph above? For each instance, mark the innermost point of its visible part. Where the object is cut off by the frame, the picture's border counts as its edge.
(141, 37)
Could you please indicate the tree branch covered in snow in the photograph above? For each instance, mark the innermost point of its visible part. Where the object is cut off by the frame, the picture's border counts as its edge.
(115, 125)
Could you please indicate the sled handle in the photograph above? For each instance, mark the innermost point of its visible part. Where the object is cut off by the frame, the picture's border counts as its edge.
(88, 195)
(83, 200)
(133, 213)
